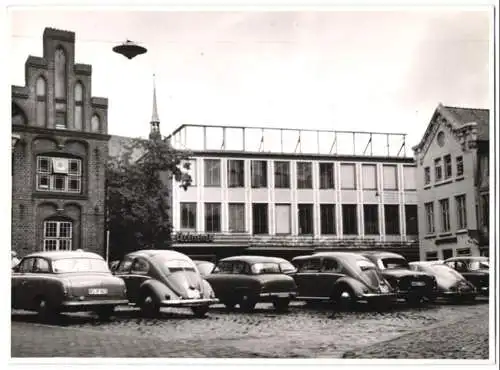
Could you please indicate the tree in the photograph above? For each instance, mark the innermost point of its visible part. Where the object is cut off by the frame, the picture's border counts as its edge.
(138, 185)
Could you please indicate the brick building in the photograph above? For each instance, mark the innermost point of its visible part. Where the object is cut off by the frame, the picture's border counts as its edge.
(453, 184)
(58, 164)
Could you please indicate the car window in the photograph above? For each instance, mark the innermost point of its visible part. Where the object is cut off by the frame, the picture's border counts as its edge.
(266, 268)
(478, 265)
(140, 266)
(240, 268)
(224, 268)
(66, 265)
(124, 265)
(310, 265)
(41, 265)
(394, 263)
(330, 265)
(26, 265)
(460, 266)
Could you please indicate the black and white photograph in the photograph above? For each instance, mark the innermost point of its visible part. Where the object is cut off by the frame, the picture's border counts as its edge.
(239, 184)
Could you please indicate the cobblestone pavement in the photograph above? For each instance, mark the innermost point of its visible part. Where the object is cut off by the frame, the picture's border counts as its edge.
(303, 332)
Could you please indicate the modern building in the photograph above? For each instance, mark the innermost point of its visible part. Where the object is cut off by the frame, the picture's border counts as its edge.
(453, 184)
(286, 192)
(59, 157)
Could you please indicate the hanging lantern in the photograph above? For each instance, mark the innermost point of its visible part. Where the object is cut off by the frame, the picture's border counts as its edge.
(129, 49)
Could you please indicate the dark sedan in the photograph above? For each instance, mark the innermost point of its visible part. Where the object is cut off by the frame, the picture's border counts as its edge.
(247, 280)
(164, 278)
(450, 284)
(414, 287)
(474, 269)
(342, 278)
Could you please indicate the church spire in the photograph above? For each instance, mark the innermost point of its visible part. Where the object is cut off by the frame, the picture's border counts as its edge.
(155, 120)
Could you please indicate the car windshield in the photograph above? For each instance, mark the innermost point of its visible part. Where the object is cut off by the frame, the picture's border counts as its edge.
(394, 263)
(266, 268)
(175, 265)
(66, 265)
(479, 265)
(205, 268)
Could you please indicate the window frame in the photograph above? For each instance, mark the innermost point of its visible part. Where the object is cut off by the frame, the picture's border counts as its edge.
(59, 242)
(239, 207)
(365, 186)
(214, 208)
(354, 228)
(461, 211)
(376, 222)
(282, 178)
(391, 220)
(304, 175)
(386, 186)
(235, 173)
(326, 175)
(259, 228)
(212, 172)
(427, 175)
(430, 223)
(327, 226)
(444, 213)
(459, 164)
(258, 174)
(448, 167)
(305, 210)
(438, 169)
(190, 208)
(53, 178)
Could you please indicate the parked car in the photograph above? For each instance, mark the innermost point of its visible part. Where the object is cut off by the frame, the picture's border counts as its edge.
(248, 280)
(164, 278)
(204, 267)
(414, 287)
(342, 278)
(66, 281)
(450, 284)
(474, 269)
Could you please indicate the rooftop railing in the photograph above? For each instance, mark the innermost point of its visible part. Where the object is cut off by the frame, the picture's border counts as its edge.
(288, 141)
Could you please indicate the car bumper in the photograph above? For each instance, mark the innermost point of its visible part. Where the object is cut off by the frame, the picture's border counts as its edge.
(189, 302)
(91, 304)
(377, 297)
(453, 295)
(483, 291)
(270, 296)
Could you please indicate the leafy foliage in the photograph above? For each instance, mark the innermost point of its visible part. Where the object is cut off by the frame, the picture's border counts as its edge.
(138, 195)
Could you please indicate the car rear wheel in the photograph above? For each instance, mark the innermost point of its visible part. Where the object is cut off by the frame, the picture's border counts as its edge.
(200, 311)
(247, 303)
(149, 305)
(105, 313)
(281, 304)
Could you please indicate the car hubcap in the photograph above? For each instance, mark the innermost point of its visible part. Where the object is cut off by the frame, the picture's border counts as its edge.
(345, 295)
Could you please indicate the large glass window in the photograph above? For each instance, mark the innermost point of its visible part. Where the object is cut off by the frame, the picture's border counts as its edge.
(427, 175)
(429, 218)
(347, 176)
(409, 178)
(188, 215)
(391, 219)
(328, 219)
(283, 219)
(390, 177)
(371, 219)
(281, 174)
(306, 217)
(461, 212)
(411, 218)
(369, 176)
(438, 170)
(259, 174)
(58, 174)
(212, 172)
(212, 217)
(444, 206)
(260, 218)
(236, 217)
(304, 175)
(460, 166)
(448, 169)
(349, 219)
(326, 175)
(57, 235)
(95, 123)
(236, 173)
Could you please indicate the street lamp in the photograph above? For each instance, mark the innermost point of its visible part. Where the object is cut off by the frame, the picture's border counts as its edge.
(15, 139)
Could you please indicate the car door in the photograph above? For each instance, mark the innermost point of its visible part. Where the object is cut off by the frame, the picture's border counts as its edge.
(123, 271)
(329, 273)
(306, 277)
(39, 281)
(20, 280)
(139, 272)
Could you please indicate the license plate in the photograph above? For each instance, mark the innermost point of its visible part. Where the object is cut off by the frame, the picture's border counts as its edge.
(98, 291)
(417, 283)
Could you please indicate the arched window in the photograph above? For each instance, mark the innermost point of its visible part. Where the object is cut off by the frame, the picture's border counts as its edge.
(60, 74)
(78, 106)
(95, 123)
(41, 102)
(57, 234)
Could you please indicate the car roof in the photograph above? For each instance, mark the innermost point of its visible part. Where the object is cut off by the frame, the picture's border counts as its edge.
(476, 258)
(53, 255)
(254, 259)
(426, 263)
(156, 252)
(381, 254)
(202, 261)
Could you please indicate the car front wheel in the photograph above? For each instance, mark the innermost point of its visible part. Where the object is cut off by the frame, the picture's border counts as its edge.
(281, 304)
(344, 298)
(105, 313)
(247, 303)
(44, 310)
(200, 311)
(149, 305)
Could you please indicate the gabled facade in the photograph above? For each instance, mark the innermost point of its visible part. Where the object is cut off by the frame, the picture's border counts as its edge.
(453, 183)
(58, 164)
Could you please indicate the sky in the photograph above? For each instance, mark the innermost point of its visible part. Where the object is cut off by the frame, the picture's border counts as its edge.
(366, 70)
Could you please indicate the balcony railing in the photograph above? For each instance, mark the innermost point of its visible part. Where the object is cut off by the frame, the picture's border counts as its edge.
(288, 141)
